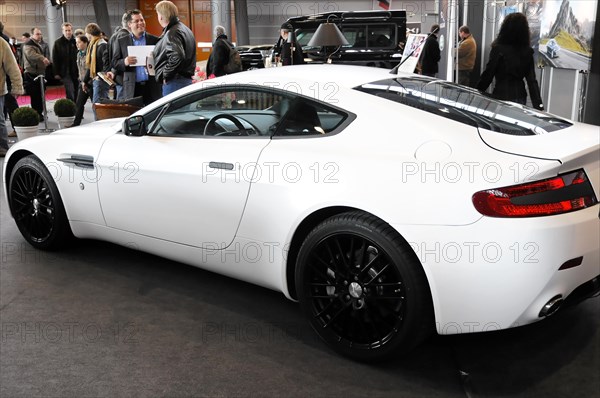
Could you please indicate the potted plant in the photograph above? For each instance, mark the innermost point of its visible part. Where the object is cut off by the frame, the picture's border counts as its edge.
(65, 110)
(25, 120)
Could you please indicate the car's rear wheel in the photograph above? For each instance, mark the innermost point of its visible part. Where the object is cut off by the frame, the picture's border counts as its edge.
(36, 205)
(362, 287)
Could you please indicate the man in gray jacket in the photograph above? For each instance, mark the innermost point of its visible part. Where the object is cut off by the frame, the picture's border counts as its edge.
(35, 65)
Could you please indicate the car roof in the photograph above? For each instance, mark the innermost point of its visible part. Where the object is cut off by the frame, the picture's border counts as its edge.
(298, 78)
(347, 76)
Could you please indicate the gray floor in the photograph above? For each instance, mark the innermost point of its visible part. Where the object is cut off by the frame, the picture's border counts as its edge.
(99, 320)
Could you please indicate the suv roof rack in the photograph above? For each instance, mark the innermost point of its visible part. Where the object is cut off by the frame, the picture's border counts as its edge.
(366, 15)
(341, 16)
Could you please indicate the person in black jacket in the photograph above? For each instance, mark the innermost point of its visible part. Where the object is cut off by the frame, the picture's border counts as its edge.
(112, 42)
(131, 72)
(511, 61)
(175, 52)
(64, 60)
(20, 55)
(97, 60)
(431, 53)
(289, 53)
(219, 56)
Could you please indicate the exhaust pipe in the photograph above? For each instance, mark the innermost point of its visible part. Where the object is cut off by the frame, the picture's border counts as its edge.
(551, 306)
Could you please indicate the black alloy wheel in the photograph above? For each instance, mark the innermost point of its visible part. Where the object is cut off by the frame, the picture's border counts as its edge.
(362, 288)
(36, 205)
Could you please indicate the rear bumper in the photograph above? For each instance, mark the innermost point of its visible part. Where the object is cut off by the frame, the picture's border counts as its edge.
(499, 273)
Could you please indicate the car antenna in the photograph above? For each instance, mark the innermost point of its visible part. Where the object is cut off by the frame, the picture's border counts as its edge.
(397, 67)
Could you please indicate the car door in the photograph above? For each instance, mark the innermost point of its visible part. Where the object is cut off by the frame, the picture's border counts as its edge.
(188, 179)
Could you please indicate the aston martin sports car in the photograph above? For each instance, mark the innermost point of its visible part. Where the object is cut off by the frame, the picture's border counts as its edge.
(390, 206)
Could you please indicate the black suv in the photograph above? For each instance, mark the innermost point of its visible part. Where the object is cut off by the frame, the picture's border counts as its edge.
(375, 38)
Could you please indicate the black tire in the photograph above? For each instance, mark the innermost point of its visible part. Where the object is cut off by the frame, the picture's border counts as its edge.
(36, 205)
(362, 288)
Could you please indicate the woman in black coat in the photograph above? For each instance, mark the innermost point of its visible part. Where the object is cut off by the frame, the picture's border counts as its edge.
(511, 61)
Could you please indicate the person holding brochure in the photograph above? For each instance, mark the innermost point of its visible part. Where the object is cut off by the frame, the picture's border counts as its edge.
(130, 71)
(97, 60)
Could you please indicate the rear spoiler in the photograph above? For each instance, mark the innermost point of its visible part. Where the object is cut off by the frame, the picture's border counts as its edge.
(367, 15)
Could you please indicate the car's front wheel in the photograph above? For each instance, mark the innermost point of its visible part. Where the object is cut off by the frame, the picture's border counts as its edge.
(362, 287)
(36, 205)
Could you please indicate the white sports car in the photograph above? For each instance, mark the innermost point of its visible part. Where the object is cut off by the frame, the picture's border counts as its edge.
(390, 206)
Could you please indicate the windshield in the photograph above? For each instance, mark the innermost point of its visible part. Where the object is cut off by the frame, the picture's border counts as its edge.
(465, 105)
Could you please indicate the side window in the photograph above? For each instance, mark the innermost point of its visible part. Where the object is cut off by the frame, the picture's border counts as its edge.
(356, 36)
(302, 117)
(381, 36)
(303, 36)
(226, 112)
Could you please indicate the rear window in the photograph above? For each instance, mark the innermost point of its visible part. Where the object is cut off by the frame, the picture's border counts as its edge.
(464, 105)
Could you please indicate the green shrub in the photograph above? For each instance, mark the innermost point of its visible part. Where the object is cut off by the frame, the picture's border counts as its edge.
(64, 107)
(25, 116)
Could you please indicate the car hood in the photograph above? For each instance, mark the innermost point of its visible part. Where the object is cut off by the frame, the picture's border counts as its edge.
(86, 139)
(100, 128)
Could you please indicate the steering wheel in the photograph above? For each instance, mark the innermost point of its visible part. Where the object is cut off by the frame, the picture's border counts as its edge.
(213, 120)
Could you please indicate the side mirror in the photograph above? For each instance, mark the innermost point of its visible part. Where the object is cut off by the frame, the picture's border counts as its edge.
(134, 126)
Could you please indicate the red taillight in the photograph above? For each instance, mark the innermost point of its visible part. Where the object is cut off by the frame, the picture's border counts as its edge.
(562, 194)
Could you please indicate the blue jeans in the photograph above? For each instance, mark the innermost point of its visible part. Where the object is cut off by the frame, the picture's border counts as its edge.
(3, 132)
(175, 84)
(119, 93)
(100, 90)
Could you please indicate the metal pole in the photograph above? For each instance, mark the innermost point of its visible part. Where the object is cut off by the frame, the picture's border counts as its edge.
(583, 95)
(45, 111)
(541, 68)
(242, 30)
(221, 15)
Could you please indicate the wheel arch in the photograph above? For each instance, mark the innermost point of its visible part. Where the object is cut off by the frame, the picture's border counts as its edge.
(307, 225)
(58, 231)
(303, 229)
(10, 165)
